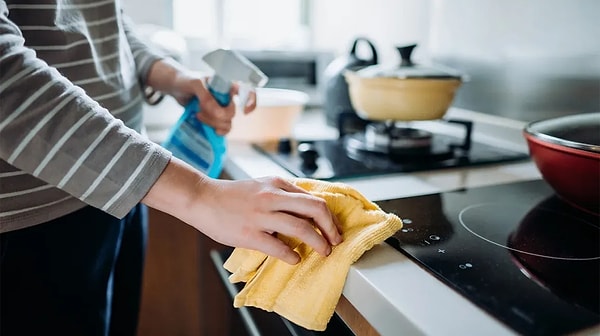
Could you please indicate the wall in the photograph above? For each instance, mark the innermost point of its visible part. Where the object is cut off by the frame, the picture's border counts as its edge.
(335, 22)
(525, 59)
(387, 23)
(149, 11)
(515, 29)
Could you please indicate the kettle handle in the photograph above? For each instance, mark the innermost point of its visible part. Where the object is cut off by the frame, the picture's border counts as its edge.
(373, 51)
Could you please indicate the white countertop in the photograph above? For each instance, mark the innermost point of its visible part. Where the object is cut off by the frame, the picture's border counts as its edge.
(393, 293)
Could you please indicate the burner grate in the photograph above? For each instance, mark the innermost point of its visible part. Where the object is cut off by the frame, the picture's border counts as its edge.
(382, 148)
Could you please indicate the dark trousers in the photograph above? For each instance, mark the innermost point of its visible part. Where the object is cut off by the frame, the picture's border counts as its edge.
(80, 274)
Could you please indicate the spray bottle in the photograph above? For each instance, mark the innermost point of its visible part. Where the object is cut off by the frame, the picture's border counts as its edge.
(196, 143)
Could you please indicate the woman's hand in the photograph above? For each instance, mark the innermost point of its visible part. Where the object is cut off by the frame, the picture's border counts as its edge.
(171, 78)
(246, 213)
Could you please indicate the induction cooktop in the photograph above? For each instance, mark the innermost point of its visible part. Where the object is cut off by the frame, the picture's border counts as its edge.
(515, 250)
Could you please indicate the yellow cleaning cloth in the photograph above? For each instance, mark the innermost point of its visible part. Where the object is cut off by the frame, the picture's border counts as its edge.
(307, 293)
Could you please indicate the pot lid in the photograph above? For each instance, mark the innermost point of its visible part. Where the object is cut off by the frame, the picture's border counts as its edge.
(408, 69)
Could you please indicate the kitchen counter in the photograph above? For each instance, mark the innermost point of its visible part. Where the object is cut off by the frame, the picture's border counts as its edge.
(393, 293)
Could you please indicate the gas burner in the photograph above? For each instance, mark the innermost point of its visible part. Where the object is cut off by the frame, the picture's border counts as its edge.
(360, 147)
(384, 138)
(389, 139)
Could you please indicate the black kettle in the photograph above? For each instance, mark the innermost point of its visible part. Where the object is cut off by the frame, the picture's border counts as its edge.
(337, 99)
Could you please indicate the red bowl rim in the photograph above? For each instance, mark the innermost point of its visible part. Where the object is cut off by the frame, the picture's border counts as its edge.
(534, 130)
(561, 147)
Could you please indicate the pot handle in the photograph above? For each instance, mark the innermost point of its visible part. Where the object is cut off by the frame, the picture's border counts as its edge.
(371, 46)
(405, 54)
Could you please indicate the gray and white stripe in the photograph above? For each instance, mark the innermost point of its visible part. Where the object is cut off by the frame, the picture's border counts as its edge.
(60, 141)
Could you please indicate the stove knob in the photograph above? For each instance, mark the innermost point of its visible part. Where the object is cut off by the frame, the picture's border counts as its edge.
(284, 146)
(309, 155)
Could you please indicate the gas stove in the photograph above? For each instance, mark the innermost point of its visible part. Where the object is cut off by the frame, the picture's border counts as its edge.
(515, 250)
(367, 148)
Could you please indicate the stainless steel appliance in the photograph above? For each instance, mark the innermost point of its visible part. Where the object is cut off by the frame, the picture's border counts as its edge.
(295, 70)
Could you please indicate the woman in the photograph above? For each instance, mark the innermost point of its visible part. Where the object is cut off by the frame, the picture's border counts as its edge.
(75, 173)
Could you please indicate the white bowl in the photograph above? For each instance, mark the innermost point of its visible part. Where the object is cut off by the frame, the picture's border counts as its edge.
(276, 113)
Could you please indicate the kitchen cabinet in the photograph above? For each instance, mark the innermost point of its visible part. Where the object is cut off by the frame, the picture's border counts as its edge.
(181, 291)
(353, 319)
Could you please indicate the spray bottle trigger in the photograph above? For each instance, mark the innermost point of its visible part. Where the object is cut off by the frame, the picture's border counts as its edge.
(223, 98)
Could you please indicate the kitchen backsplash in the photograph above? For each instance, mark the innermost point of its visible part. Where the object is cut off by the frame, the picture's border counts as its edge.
(527, 60)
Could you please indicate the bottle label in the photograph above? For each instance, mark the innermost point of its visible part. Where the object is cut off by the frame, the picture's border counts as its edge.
(189, 143)
(197, 144)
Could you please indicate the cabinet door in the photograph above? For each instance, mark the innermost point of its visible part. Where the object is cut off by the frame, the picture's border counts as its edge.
(181, 290)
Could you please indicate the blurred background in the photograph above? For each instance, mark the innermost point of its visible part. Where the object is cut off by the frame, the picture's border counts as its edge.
(525, 59)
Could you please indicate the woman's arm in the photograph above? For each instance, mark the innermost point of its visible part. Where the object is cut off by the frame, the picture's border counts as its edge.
(54, 131)
(245, 213)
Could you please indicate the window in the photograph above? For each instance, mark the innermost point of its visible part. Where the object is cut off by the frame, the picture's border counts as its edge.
(243, 24)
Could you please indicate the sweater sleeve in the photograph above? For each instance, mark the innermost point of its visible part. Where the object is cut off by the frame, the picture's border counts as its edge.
(52, 130)
(144, 55)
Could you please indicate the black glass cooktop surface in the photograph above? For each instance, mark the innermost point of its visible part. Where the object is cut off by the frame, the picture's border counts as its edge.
(331, 159)
(515, 250)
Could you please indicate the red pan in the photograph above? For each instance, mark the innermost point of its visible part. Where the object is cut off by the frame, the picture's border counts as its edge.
(566, 151)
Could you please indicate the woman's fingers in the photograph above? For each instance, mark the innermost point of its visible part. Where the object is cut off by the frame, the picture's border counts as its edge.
(338, 226)
(216, 116)
(247, 95)
(250, 103)
(271, 245)
(306, 203)
(211, 112)
(221, 126)
(299, 228)
(286, 185)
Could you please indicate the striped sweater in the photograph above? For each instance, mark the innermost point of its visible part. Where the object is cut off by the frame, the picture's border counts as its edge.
(71, 77)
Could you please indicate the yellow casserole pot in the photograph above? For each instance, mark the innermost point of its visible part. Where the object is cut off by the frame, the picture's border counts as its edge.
(403, 93)
(401, 99)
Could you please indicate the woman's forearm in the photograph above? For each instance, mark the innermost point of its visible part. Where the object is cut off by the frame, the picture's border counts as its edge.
(170, 77)
(163, 74)
(176, 188)
(245, 213)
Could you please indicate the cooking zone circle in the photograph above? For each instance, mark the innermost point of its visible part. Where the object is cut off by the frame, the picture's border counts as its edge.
(570, 238)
